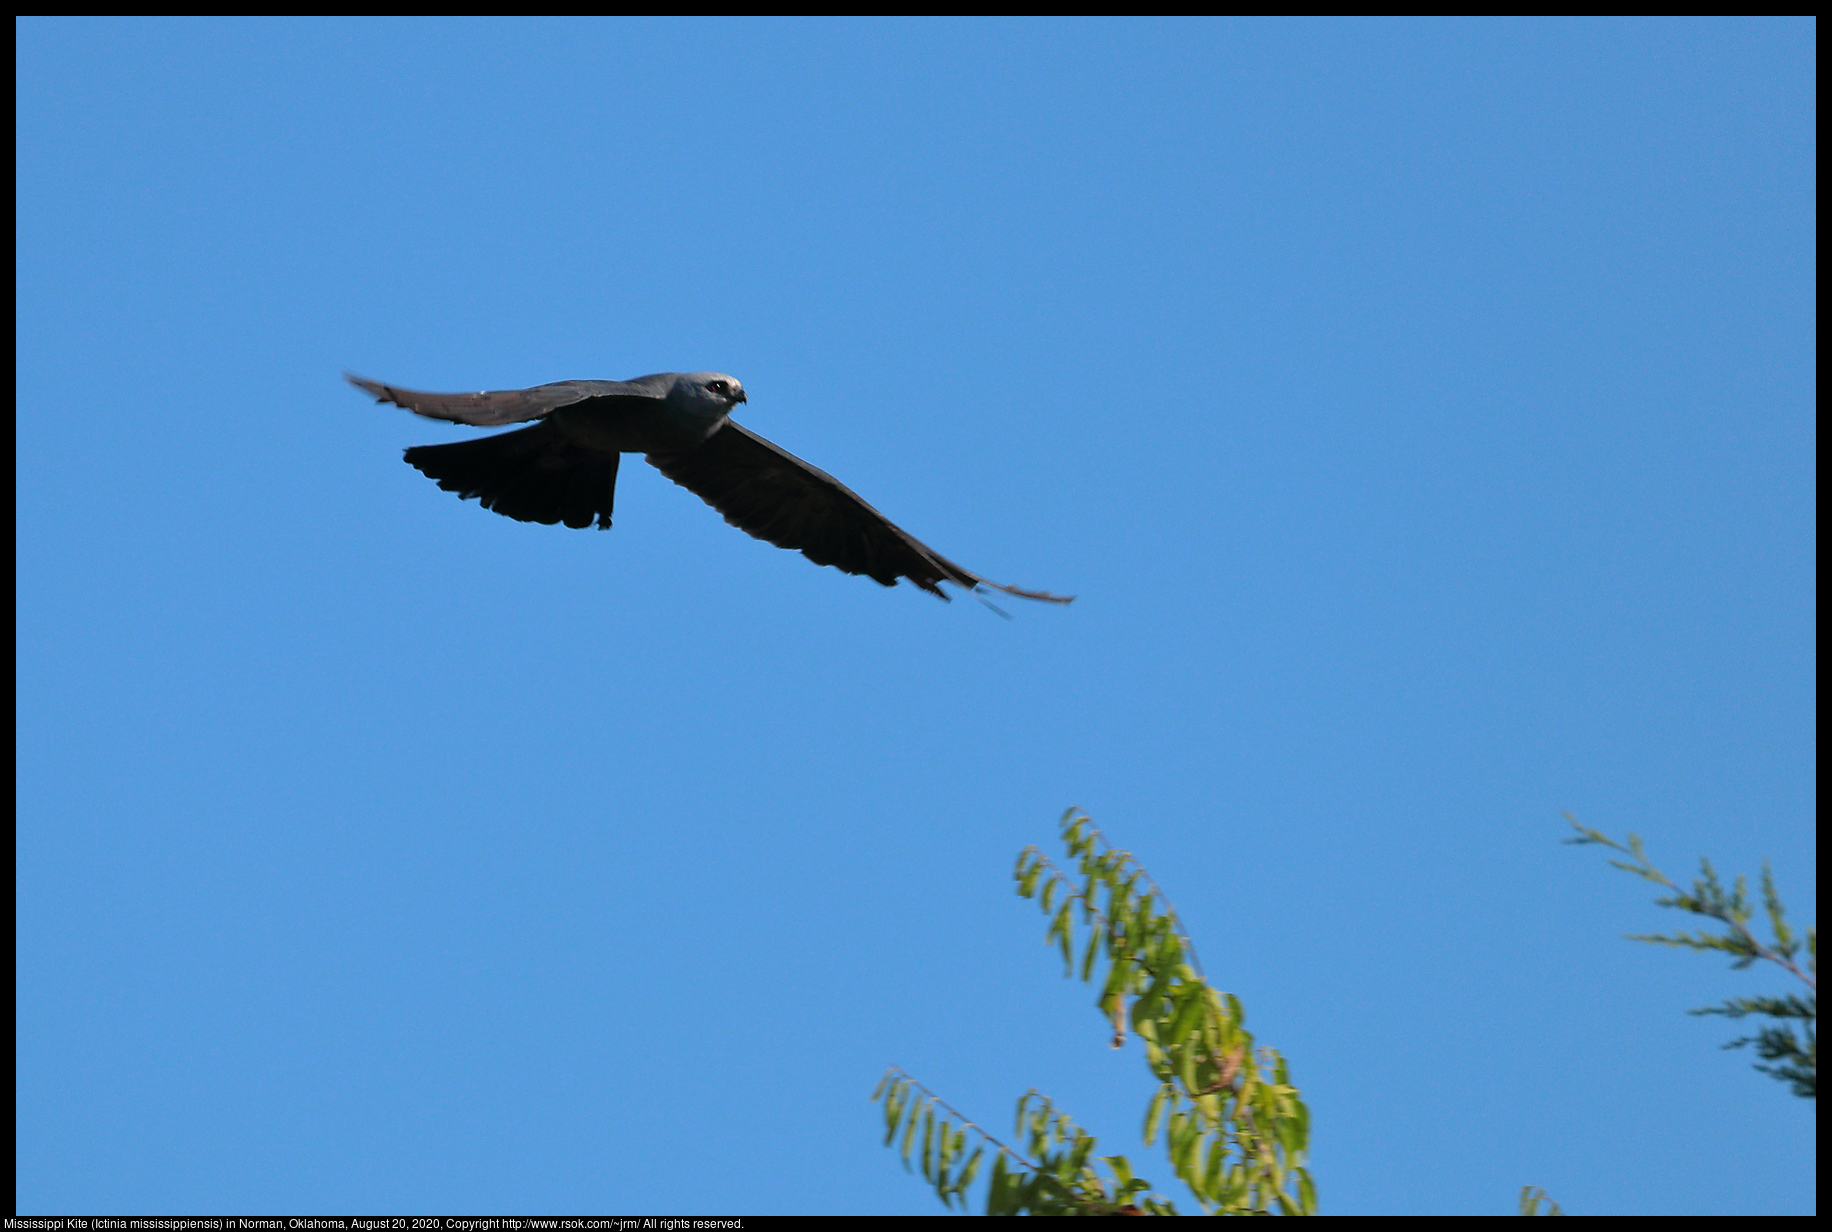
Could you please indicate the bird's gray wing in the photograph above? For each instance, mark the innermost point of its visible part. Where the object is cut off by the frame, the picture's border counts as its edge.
(770, 493)
(492, 408)
(531, 474)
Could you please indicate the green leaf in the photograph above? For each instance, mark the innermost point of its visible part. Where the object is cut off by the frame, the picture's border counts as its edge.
(1189, 1012)
(965, 1177)
(1147, 1005)
(1118, 908)
(893, 1112)
(1530, 1198)
(1087, 959)
(1218, 1158)
(1154, 1112)
(909, 1134)
(998, 1187)
(1118, 976)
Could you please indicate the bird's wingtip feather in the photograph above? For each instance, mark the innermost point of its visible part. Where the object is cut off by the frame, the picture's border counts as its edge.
(379, 390)
(1040, 595)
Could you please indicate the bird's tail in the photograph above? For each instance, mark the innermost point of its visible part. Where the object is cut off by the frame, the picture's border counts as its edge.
(534, 475)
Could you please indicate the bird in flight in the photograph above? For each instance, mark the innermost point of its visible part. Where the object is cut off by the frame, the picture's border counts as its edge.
(564, 469)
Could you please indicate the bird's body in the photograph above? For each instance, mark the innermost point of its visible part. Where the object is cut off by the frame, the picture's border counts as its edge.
(564, 469)
(678, 414)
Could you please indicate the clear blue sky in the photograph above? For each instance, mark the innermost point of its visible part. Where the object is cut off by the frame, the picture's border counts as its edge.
(1422, 411)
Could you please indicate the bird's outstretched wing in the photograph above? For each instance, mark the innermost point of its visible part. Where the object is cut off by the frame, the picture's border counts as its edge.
(768, 492)
(532, 475)
(492, 408)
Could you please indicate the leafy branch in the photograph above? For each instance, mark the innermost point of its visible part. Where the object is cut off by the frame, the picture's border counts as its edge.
(1057, 1181)
(1233, 1126)
(1795, 1056)
(1531, 1196)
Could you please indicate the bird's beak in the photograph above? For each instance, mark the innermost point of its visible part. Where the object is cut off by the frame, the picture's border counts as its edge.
(741, 396)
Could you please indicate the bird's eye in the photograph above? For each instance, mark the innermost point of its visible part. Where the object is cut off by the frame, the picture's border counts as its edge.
(718, 387)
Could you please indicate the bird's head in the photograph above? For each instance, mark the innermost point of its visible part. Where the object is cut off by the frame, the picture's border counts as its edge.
(716, 387)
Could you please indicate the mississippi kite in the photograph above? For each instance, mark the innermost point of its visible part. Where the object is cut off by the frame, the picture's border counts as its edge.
(564, 469)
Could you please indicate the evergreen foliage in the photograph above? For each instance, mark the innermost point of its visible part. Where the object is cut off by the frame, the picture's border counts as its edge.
(1793, 1057)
